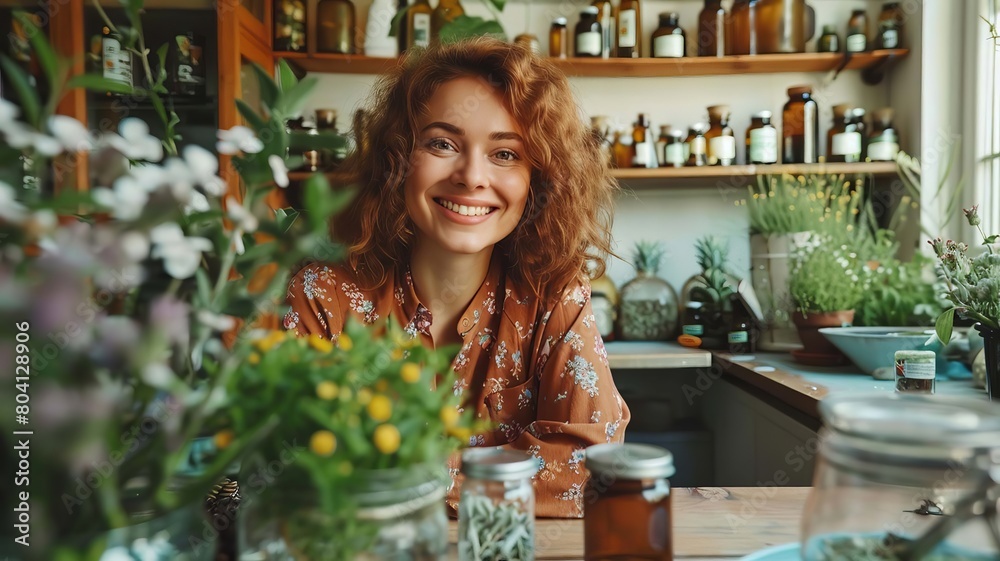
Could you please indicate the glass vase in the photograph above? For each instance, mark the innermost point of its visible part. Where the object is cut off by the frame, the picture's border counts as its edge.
(394, 514)
(648, 309)
(991, 350)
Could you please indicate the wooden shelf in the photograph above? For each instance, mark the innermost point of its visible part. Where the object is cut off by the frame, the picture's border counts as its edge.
(636, 67)
(722, 172)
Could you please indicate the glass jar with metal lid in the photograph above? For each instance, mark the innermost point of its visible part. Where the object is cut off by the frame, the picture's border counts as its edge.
(627, 512)
(496, 511)
(905, 477)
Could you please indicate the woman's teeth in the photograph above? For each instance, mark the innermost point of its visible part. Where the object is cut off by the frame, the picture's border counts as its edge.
(465, 210)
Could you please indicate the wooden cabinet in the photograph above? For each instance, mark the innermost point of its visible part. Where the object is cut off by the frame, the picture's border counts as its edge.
(236, 34)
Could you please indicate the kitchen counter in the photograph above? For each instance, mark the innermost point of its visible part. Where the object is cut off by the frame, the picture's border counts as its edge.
(802, 387)
(655, 355)
(710, 524)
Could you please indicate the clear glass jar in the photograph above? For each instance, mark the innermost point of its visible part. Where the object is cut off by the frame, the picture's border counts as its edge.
(395, 514)
(892, 468)
(496, 511)
(648, 309)
(627, 514)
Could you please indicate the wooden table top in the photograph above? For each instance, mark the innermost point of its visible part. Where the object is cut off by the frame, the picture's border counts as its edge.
(710, 524)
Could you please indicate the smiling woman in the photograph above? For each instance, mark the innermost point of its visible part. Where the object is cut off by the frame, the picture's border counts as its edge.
(482, 195)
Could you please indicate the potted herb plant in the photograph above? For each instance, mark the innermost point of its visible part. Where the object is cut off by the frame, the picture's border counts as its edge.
(826, 283)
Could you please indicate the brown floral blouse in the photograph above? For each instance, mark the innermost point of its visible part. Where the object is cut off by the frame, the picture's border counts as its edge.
(537, 370)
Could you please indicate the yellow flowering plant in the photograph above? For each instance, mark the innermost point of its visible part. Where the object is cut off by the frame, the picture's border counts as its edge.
(374, 400)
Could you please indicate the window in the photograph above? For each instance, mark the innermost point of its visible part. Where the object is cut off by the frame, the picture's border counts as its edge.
(986, 176)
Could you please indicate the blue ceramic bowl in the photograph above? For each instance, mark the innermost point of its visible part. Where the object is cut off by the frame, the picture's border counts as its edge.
(874, 347)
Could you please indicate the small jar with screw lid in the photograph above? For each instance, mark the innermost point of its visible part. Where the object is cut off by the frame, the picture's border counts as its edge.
(915, 371)
(496, 511)
(627, 508)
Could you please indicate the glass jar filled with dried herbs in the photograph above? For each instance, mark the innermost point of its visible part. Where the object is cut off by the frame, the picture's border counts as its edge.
(904, 476)
(496, 511)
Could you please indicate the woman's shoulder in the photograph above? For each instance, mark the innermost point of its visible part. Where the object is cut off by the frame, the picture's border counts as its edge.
(572, 295)
(318, 278)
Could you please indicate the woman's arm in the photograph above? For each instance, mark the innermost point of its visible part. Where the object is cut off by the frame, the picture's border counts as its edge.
(577, 404)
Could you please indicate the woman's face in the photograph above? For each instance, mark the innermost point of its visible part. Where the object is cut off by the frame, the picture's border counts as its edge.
(470, 176)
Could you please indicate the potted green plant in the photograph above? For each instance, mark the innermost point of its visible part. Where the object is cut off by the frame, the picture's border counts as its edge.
(782, 210)
(826, 283)
(973, 288)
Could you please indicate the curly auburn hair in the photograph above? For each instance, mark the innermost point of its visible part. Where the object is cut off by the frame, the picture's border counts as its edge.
(568, 216)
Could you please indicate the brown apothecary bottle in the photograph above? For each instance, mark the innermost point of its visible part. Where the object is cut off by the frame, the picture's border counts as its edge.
(335, 27)
(445, 12)
(800, 127)
(587, 39)
(609, 31)
(844, 141)
(762, 140)
(627, 514)
(890, 26)
(558, 39)
(669, 40)
(697, 146)
(719, 139)
(415, 28)
(714, 30)
(744, 26)
(857, 32)
(783, 26)
(883, 140)
(629, 29)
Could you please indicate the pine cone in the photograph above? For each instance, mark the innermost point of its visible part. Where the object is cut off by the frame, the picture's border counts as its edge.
(224, 497)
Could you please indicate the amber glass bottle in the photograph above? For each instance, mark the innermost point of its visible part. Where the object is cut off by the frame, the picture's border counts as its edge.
(781, 26)
(844, 142)
(644, 145)
(588, 38)
(890, 26)
(629, 29)
(800, 127)
(415, 29)
(335, 27)
(719, 137)
(713, 28)
(445, 12)
(697, 146)
(857, 32)
(668, 40)
(609, 31)
(624, 149)
(289, 25)
(744, 26)
(558, 39)
(762, 140)
(828, 42)
(883, 140)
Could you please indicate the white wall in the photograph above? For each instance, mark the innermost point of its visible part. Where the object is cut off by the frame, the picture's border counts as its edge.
(676, 216)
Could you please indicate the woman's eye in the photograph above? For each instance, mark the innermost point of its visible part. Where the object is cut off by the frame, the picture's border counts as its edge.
(439, 144)
(506, 155)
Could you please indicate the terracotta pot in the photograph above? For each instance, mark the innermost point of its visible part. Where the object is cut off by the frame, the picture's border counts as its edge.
(809, 325)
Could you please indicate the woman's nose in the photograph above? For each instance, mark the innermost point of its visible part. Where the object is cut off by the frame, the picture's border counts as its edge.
(471, 172)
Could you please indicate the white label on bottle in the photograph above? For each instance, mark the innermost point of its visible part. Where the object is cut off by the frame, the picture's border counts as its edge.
(882, 151)
(675, 154)
(722, 148)
(588, 43)
(764, 145)
(642, 153)
(918, 370)
(661, 149)
(856, 43)
(697, 145)
(669, 46)
(626, 28)
(890, 39)
(112, 61)
(421, 30)
(846, 144)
